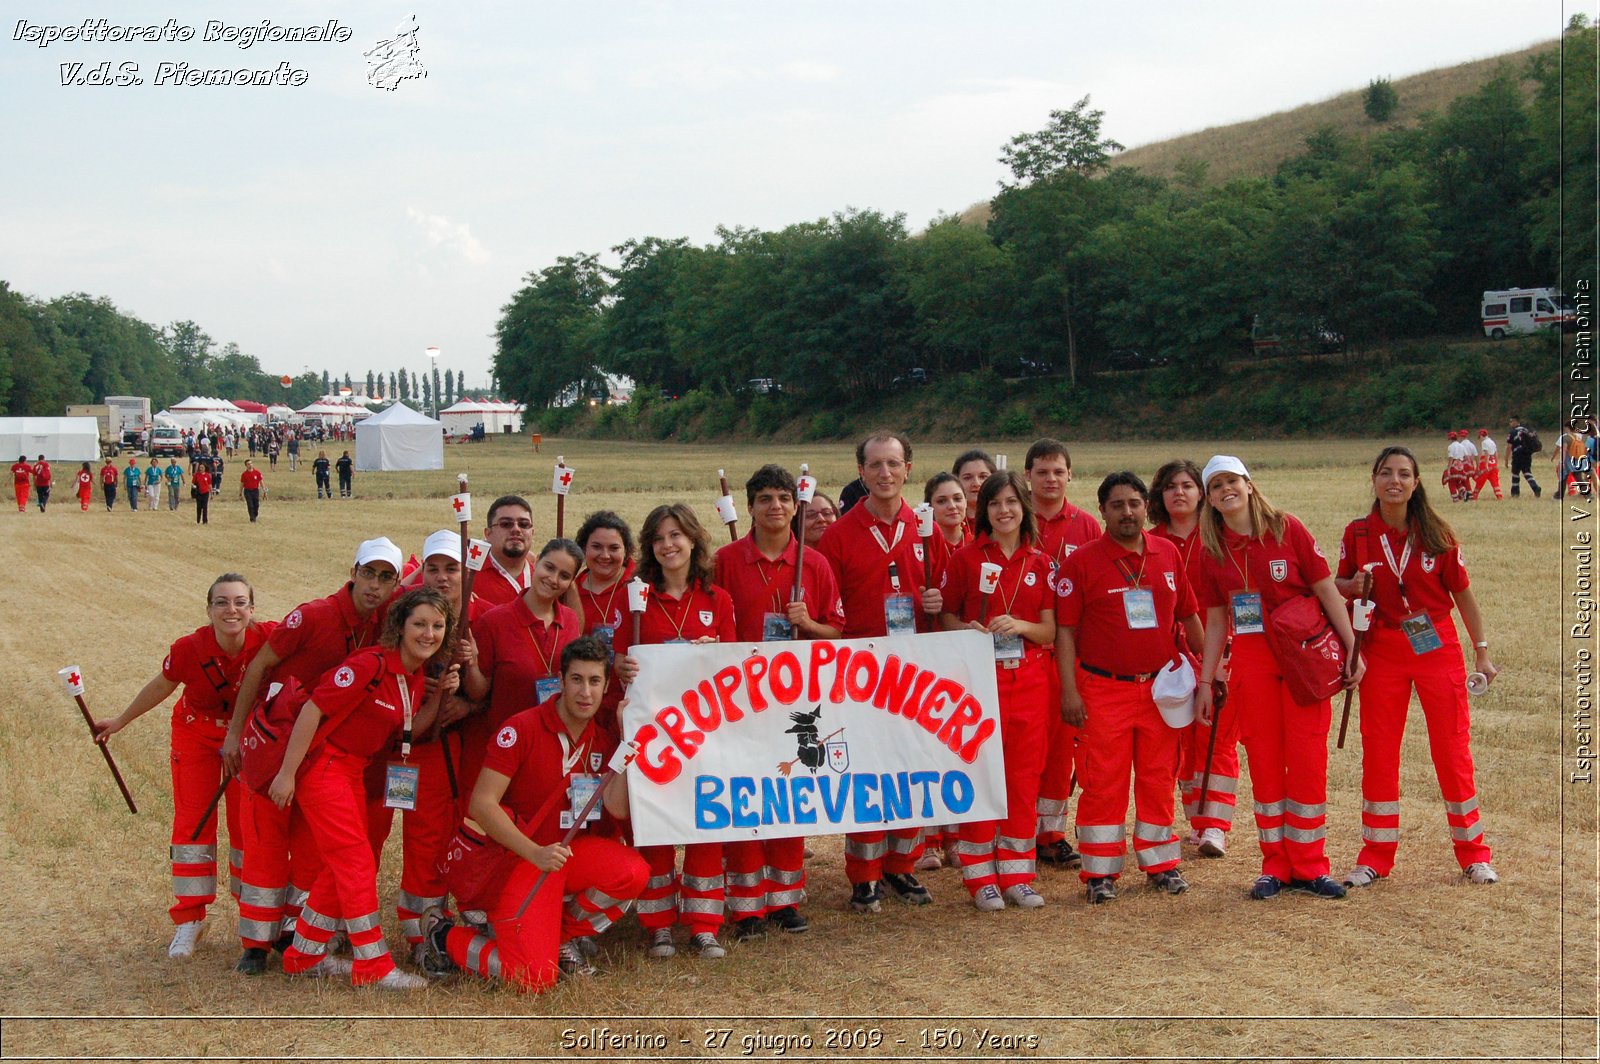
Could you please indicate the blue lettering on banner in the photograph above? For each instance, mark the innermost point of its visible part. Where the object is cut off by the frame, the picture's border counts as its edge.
(857, 798)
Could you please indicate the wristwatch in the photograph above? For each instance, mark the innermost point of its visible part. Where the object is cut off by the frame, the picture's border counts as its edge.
(1481, 645)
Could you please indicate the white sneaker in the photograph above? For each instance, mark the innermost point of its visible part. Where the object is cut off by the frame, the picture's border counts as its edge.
(661, 943)
(988, 899)
(1361, 876)
(1481, 872)
(1024, 897)
(1193, 838)
(395, 979)
(330, 968)
(706, 944)
(186, 936)
(931, 861)
(1213, 842)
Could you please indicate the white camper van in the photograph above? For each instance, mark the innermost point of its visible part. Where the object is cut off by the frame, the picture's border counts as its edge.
(1518, 311)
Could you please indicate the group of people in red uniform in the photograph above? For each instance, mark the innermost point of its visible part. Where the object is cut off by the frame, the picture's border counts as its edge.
(37, 474)
(491, 719)
(1470, 467)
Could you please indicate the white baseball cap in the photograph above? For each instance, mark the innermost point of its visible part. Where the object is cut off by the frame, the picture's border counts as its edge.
(379, 550)
(1222, 463)
(444, 542)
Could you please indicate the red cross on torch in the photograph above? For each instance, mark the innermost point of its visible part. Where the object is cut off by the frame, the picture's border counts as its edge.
(72, 676)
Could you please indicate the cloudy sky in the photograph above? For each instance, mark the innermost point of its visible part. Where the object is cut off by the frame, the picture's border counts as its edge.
(336, 225)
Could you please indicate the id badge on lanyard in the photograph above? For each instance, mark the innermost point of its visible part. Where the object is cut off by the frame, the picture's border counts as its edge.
(1007, 647)
(545, 687)
(1247, 616)
(1421, 633)
(1139, 608)
(776, 627)
(899, 610)
(580, 788)
(400, 780)
(606, 633)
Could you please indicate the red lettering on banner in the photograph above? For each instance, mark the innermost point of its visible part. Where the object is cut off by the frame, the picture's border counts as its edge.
(969, 752)
(727, 681)
(836, 692)
(822, 653)
(755, 667)
(664, 770)
(899, 680)
(706, 718)
(861, 662)
(785, 678)
(942, 693)
(677, 729)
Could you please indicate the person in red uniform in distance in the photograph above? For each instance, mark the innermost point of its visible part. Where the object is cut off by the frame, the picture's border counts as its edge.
(202, 493)
(21, 477)
(519, 653)
(509, 530)
(944, 493)
(208, 664)
(766, 878)
(280, 857)
(1256, 559)
(1123, 601)
(42, 479)
(353, 716)
(108, 483)
(972, 468)
(535, 781)
(1175, 498)
(684, 606)
(1488, 471)
(249, 487)
(1417, 574)
(874, 552)
(996, 856)
(85, 487)
(607, 545)
(1063, 528)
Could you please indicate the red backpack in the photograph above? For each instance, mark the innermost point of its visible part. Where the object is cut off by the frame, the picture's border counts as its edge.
(1309, 652)
(265, 738)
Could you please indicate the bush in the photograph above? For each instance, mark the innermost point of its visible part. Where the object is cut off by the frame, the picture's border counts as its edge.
(1380, 100)
(1016, 423)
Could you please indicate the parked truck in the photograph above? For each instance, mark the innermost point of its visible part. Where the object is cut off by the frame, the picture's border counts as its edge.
(1518, 311)
(110, 440)
(130, 420)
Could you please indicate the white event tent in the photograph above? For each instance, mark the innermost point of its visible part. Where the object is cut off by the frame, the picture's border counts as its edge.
(330, 411)
(399, 438)
(59, 439)
(198, 410)
(496, 416)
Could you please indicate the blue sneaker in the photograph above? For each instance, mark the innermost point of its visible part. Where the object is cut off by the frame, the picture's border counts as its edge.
(1266, 887)
(1322, 887)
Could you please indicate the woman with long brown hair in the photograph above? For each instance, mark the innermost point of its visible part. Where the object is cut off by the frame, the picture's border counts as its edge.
(1418, 574)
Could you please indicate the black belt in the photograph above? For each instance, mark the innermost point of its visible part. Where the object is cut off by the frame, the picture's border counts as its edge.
(1143, 677)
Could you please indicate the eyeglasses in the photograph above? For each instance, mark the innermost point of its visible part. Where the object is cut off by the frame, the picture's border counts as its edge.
(382, 576)
(238, 604)
(506, 524)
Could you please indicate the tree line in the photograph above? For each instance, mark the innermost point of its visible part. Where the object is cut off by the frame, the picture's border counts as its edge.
(1085, 265)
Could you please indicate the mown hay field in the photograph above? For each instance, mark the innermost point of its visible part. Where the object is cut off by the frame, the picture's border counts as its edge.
(1421, 965)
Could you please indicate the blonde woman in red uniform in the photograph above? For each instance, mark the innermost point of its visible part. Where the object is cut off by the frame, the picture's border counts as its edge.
(945, 493)
(684, 606)
(1417, 575)
(1256, 559)
(519, 652)
(1175, 498)
(607, 545)
(997, 857)
(207, 663)
(353, 716)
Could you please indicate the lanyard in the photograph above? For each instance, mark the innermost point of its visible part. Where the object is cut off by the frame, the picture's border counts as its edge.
(1399, 569)
(405, 710)
(683, 615)
(521, 583)
(594, 596)
(1016, 585)
(1136, 580)
(768, 576)
(571, 757)
(887, 545)
(1244, 570)
(544, 659)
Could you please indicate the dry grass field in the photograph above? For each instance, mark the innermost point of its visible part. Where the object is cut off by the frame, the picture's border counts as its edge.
(1422, 965)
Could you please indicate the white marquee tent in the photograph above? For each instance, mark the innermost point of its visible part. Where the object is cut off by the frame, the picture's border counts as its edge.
(198, 410)
(399, 438)
(59, 439)
(494, 415)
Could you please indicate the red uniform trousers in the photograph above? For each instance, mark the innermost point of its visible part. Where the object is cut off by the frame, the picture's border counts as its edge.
(765, 875)
(1287, 745)
(425, 832)
(1489, 476)
(22, 495)
(331, 794)
(1440, 678)
(83, 499)
(1123, 735)
(1222, 789)
(196, 773)
(694, 898)
(1001, 852)
(602, 875)
(869, 854)
(280, 864)
(1063, 767)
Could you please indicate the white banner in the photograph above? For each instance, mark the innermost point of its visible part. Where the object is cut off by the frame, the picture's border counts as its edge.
(769, 740)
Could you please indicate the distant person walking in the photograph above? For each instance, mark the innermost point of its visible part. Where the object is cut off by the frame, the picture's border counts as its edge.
(108, 484)
(132, 479)
(1523, 445)
(347, 471)
(41, 482)
(152, 485)
(21, 475)
(294, 453)
(85, 487)
(202, 494)
(250, 488)
(320, 467)
(174, 475)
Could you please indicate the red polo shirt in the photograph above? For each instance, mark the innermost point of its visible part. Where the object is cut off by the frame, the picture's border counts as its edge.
(860, 562)
(608, 607)
(943, 550)
(1068, 530)
(202, 481)
(250, 479)
(759, 586)
(20, 472)
(516, 649)
(41, 475)
(1430, 579)
(210, 677)
(698, 613)
(1024, 590)
(496, 587)
(108, 473)
(1279, 569)
(1190, 549)
(534, 751)
(318, 635)
(364, 722)
(1090, 587)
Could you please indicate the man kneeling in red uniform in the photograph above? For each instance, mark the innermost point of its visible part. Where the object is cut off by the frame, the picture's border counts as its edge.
(537, 776)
